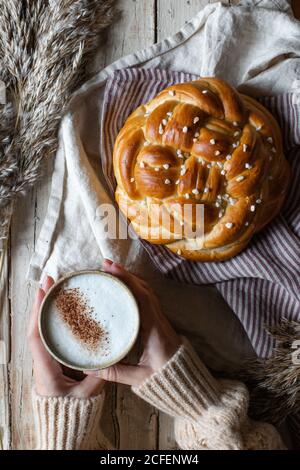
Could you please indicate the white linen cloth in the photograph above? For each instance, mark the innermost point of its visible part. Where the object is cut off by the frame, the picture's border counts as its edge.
(256, 47)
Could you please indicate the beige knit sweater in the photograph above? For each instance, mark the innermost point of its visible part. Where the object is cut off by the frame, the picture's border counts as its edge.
(209, 413)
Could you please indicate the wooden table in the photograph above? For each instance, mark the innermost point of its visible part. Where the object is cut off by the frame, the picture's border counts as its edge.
(128, 422)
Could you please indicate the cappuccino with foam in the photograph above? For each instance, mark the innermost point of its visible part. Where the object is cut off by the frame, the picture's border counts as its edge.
(89, 320)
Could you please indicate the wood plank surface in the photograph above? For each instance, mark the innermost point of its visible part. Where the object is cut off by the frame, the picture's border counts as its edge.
(171, 16)
(26, 224)
(127, 421)
(5, 412)
(22, 292)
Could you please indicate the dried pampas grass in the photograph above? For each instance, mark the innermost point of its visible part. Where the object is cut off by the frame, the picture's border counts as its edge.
(275, 382)
(44, 48)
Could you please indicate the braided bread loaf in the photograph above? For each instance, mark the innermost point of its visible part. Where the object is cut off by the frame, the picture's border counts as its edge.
(200, 143)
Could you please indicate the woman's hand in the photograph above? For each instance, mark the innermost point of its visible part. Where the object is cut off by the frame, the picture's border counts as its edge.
(159, 340)
(49, 375)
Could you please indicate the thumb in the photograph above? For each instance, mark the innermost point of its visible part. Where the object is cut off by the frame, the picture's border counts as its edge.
(121, 373)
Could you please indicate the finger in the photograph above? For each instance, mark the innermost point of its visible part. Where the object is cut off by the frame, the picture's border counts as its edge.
(48, 282)
(142, 293)
(119, 373)
(90, 386)
(106, 263)
(109, 265)
(43, 361)
(33, 320)
(135, 284)
(129, 278)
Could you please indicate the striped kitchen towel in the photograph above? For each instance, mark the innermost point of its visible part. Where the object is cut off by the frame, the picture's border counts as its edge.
(261, 284)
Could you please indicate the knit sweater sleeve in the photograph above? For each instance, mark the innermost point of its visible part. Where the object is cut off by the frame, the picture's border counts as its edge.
(209, 413)
(66, 422)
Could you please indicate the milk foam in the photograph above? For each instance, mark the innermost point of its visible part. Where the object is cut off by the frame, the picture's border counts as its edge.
(113, 308)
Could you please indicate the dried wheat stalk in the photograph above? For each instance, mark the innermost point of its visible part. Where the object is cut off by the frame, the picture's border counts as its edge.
(44, 48)
(275, 382)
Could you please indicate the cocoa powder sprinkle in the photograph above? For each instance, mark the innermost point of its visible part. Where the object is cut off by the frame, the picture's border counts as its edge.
(77, 315)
